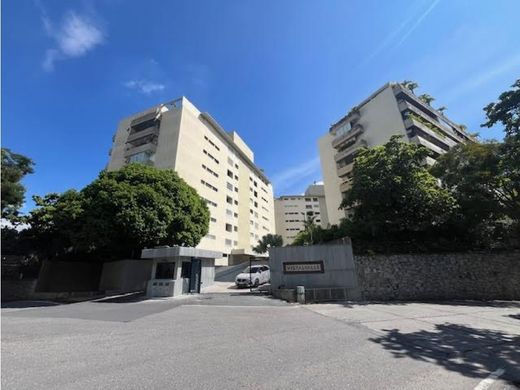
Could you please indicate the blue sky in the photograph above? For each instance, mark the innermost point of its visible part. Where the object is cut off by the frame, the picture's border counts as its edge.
(278, 72)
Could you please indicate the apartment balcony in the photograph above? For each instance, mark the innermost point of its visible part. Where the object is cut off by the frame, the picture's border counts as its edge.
(144, 118)
(343, 187)
(356, 130)
(430, 161)
(340, 155)
(150, 131)
(352, 116)
(418, 140)
(438, 135)
(148, 147)
(345, 170)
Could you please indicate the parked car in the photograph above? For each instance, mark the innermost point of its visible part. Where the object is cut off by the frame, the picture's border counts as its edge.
(253, 276)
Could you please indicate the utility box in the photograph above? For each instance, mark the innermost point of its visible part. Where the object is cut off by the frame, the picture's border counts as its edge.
(160, 288)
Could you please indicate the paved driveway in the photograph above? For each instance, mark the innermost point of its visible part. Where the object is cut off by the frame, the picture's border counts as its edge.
(237, 340)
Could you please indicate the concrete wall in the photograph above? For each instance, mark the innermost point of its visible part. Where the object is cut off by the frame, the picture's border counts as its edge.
(14, 290)
(479, 276)
(338, 264)
(443, 276)
(67, 276)
(125, 275)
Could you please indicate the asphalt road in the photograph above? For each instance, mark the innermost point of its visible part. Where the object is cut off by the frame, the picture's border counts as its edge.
(238, 340)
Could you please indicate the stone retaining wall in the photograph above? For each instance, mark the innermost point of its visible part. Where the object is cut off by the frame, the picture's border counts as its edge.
(480, 276)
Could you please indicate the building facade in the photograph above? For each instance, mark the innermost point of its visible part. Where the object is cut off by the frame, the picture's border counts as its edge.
(218, 164)
(391, 110)
(292, 210)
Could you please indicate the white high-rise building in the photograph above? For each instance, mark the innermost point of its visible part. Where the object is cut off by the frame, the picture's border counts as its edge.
(217, 163)
(292, 210)
(391, 110)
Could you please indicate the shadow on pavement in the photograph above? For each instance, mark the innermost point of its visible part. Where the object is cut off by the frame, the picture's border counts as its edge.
(28, 304)
(494, 304)
(471, 352)
(126, 298)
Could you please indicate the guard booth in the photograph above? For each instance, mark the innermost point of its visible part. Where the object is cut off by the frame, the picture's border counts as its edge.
(179, 270)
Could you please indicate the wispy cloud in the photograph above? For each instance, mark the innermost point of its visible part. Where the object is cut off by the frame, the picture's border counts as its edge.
(144, 86)
(74, 37)
(418, 21)
(478, 80)
(287, 179)
(401, 33)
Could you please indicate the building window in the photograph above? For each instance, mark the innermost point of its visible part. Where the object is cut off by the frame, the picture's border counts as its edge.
(229, 227)
(145, 157)
(165, 270)
(229, 186)
(229, 199)
(228, 242)
(235, 228)
(236, 202)
(230, 174)
(213, 219)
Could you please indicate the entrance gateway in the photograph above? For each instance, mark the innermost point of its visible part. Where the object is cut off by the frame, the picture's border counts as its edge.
(179, 270)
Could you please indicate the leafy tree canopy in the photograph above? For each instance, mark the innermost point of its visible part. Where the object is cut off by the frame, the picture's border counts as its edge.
(120, 213)
(473, 175)
(392, 193)
(506, 111)
(14, 168)
(267, 241)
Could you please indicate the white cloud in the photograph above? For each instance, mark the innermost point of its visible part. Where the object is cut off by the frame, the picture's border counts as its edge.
(287, 179)
(475, 81)
(401, 33)
(419, 20)
(144, 86)
(75, 37)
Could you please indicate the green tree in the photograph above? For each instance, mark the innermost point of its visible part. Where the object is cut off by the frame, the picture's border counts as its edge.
(392, 194)
(140, 206)
(55, 224)
(119, 214)
(14, 168)
(411, 85)
(268, 241)
(506, 111)
(472, 174)
(425, 98)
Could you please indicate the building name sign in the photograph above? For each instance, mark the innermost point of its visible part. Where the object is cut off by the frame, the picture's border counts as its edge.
(303, 267)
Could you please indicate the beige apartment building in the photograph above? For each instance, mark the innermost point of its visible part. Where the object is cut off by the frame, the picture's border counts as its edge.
(391, 110)
(292, 210)
(217, 163)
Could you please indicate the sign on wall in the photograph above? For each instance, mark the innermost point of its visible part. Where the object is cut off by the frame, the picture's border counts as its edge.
(303, 267)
